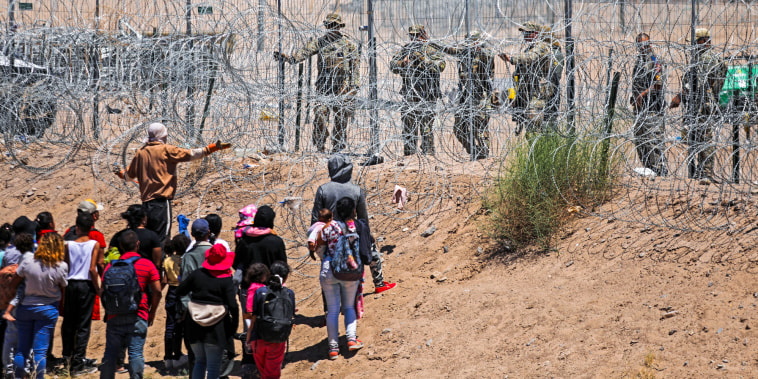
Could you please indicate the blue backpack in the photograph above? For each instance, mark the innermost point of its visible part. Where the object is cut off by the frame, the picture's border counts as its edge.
(346, 259)
(121, 291)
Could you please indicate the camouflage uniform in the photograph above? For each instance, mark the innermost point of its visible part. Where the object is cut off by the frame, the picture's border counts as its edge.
(649, 129)
(336, 84)
(709, 71)
(474, 95)
(534, 87)
(421, 90)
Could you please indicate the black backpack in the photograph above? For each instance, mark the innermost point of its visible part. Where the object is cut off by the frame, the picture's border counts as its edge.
(121, 290)
(274, 322)
(365, 241)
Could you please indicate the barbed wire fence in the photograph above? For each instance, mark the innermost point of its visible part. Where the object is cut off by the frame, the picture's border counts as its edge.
(93, 73)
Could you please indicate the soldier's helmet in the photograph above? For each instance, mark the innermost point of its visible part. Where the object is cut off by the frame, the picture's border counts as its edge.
(333, 20)
(702, 33)
(531, 26)
(416, 29)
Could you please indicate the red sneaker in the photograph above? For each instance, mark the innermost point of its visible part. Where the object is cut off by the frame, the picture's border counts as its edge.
(334, 354)
(353, 345)
(386, 286)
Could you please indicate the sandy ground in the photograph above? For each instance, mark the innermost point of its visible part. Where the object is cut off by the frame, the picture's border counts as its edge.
(596, 306)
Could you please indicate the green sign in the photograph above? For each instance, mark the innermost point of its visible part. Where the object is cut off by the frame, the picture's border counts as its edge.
(204, 10)
(738, 82)
(25, 6)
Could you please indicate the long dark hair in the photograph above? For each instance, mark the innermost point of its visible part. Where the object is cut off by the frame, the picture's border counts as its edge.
(345, 208)
(44, 221)
(134, 216)
(279, 272)
(6, 233)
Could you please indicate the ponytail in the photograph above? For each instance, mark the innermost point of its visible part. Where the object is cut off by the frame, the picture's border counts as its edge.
(275, 282)
(279, 272)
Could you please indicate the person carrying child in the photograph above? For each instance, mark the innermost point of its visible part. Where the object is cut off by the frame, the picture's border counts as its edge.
(340, 294)
(273, 309)
(316, 245)
(341, 171)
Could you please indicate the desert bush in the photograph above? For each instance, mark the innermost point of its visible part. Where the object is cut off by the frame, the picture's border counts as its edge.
(541, 184)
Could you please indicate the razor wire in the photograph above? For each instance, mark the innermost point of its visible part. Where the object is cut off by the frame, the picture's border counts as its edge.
(79, 80)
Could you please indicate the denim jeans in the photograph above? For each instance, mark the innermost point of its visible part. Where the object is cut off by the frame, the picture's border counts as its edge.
(207, 357)
(9, 347)
(36, 324)
(129, 329)
(339, 295)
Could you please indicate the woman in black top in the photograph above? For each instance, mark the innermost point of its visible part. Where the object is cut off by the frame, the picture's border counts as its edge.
(213, 312)
(149, 242)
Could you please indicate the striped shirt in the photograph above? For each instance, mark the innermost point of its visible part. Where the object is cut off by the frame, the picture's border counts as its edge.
(146, 274)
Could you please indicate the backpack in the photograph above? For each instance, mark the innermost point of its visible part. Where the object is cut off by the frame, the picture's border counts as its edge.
(275, 321)
(365, 246)
(346, 258)
(335, 70)
(7, 292)
(121, 290)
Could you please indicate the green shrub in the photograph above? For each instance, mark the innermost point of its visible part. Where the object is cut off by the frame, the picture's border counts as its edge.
(541, 180)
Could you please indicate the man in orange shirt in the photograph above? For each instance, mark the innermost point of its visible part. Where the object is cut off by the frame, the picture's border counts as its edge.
(154, 167)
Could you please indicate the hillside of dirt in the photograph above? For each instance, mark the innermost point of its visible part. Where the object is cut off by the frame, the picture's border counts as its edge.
(613, 299)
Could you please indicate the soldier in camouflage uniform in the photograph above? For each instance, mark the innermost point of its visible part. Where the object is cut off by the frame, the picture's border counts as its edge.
(532, 78)
(419, 64)
(474, 94)
(337, 82)
(649, 106)
(708, 73)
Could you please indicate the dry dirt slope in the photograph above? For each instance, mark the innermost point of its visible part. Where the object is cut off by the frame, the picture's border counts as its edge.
(594, 308)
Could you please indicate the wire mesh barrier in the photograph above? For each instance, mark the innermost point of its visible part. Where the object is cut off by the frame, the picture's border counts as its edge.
(420, 92)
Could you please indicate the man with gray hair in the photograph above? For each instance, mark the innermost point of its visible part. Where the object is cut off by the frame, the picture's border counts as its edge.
(154, 167)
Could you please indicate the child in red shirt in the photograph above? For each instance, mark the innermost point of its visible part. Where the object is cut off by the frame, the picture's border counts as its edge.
(269, 355)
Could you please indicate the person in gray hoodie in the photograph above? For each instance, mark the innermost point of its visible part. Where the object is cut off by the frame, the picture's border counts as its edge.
(340, 171)
(327, 195)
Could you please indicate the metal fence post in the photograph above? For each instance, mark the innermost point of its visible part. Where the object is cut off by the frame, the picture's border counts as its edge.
(96, 76)
(690, 118)
(570, 82)
(374, 157)
(470, 90)
(190, 112)
(261, 26)
(281, 78)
